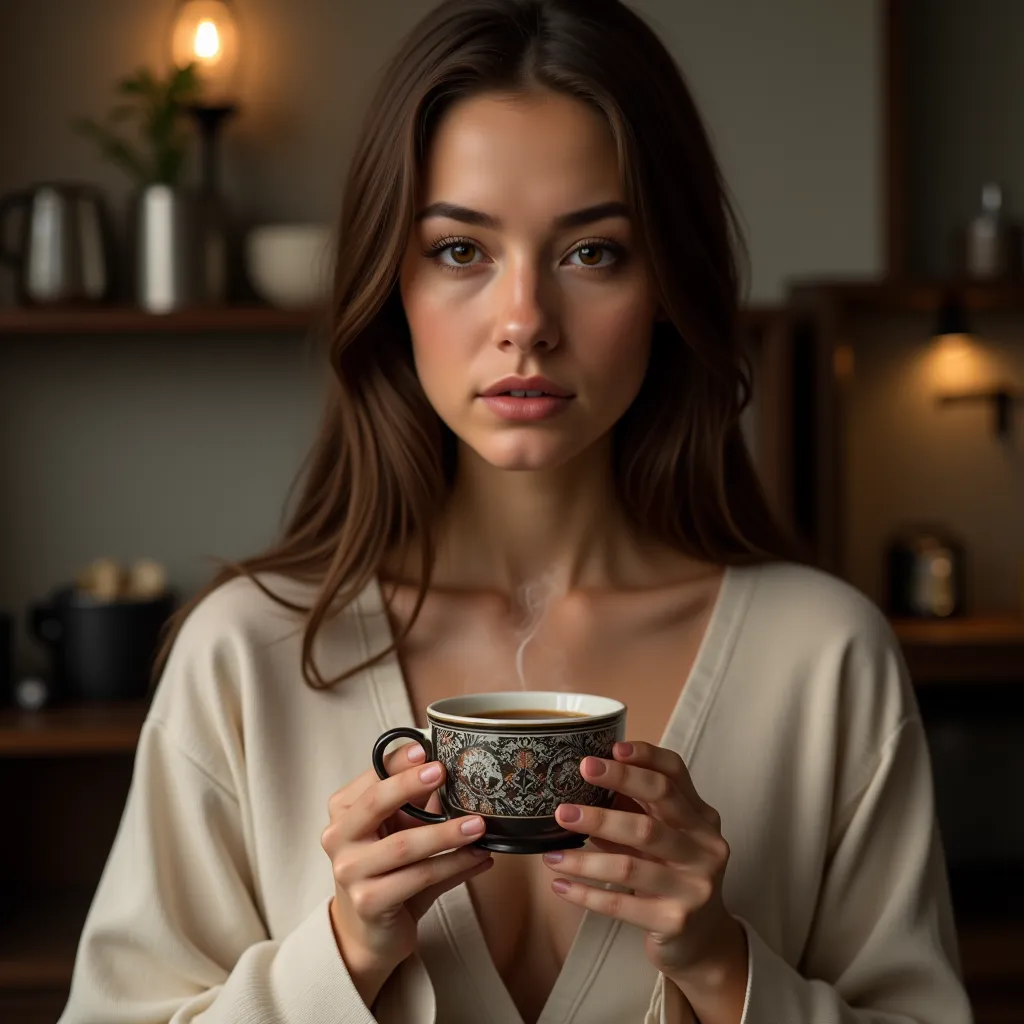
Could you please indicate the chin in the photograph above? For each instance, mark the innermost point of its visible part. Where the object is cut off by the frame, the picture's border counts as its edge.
(524, 454)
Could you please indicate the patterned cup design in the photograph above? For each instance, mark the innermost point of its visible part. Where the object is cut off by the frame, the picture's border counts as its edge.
(520, 775)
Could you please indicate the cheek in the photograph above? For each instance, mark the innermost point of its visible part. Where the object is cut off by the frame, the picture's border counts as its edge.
(438, 328)
(613, 342)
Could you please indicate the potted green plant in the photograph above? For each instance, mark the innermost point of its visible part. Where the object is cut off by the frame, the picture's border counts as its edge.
(166, 216)
(156, 105)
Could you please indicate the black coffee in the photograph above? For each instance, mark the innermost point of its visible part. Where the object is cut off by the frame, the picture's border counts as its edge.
(529, 714)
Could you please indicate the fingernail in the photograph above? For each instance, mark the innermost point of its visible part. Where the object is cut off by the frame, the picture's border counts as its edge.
(415, 753)
(553, 858)
(624, 749)
(478, 852)
(594, 766)
(560, 886)
(569, 812)
(431, 773)
(472, 826)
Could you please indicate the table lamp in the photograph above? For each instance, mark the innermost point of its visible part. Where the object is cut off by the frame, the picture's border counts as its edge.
(205, 34)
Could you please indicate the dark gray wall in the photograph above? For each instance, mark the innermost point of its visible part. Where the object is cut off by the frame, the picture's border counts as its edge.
(964, 118)
(178, 448)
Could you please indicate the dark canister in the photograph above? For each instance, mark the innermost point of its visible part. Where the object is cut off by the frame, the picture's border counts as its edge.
(926, 574)
(102, 650)
(6, 658)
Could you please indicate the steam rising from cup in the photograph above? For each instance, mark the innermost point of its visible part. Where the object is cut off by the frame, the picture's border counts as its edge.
(534, 596)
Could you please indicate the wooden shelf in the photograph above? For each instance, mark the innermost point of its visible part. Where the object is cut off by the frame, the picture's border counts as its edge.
(983, 630)
(39, 933)
(992, 952)
(67, 731)
(968, 650)
(910, 295)
(127, 320)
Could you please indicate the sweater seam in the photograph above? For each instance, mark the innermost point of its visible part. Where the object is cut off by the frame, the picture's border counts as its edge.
(870, 769)
(725, 656)
(158, 723)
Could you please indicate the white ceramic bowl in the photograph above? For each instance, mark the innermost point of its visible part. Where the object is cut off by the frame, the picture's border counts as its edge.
(291, 265)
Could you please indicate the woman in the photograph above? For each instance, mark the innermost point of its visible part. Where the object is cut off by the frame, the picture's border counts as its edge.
(536, 381)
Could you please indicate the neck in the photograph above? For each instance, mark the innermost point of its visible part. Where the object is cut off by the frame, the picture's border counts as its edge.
(561, 528)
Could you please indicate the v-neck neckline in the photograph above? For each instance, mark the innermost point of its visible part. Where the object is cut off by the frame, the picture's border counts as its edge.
(595, 933)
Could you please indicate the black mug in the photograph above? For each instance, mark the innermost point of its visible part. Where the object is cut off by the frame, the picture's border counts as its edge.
(102, 650)
(512, 758)
(6, 658)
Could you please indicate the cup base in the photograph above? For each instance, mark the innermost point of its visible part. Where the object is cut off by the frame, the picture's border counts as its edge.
(570, 841)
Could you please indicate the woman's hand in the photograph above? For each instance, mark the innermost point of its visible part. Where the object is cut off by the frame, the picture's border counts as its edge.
(672, 859)
(388, 867)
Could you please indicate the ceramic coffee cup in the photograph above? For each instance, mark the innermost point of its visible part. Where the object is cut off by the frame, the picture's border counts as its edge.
(513, 758)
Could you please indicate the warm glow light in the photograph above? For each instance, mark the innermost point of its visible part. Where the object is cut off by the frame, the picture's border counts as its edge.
(205, 33)
(955, 363)
(206, 45)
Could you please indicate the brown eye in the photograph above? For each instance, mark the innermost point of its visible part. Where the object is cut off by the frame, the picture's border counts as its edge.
(590, 255)
(462, 253)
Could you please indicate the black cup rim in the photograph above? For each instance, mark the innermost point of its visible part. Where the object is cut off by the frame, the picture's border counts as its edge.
(612, 711)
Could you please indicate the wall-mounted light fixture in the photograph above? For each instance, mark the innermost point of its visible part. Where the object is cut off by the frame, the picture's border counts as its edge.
(1003, 399)
(953, 331)
(951, 321)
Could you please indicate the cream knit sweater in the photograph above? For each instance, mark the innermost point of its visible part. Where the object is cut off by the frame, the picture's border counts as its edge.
(797, 723)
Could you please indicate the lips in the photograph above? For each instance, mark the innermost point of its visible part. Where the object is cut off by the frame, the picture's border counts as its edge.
(526, 387)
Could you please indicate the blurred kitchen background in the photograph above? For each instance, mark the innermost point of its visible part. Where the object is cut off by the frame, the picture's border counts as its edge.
(161, 304)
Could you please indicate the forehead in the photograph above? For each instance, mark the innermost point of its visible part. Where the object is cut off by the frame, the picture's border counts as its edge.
(539, 153)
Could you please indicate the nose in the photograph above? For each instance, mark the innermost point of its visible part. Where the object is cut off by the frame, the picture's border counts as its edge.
(526, 317)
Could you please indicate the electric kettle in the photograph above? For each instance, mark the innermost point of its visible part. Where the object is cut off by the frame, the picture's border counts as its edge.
(62, 248)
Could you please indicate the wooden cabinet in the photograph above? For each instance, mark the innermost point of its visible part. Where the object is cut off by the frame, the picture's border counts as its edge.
(64, 777)
(65, 772)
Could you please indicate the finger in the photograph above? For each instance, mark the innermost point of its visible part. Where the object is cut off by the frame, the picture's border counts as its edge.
(606, 847)
(651, 913)
(651, 788)
(641, 832)
(358, 861)
(628, 870)
(418, 905)
(670, 764)
(382, 800)
(397, 761)
(403, 820)
(376, 896)
(623, 803)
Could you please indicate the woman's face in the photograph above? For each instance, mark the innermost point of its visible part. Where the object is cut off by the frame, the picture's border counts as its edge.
(523, 263)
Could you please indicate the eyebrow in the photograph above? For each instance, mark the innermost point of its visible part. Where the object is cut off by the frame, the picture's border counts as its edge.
(575, 219)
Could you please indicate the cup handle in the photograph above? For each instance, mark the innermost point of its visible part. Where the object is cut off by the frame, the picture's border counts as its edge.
(377, 757)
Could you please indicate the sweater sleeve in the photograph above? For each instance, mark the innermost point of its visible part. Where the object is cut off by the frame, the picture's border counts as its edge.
(175, 934)
(882, 949)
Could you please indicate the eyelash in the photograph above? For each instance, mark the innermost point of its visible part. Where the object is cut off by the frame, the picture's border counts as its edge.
(434, 250)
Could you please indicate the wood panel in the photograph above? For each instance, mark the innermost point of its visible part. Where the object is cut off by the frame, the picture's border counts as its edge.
(74, 729)
(129, 320)
(65, 811)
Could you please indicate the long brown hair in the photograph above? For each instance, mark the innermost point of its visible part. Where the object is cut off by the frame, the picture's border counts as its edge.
(380, 470)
